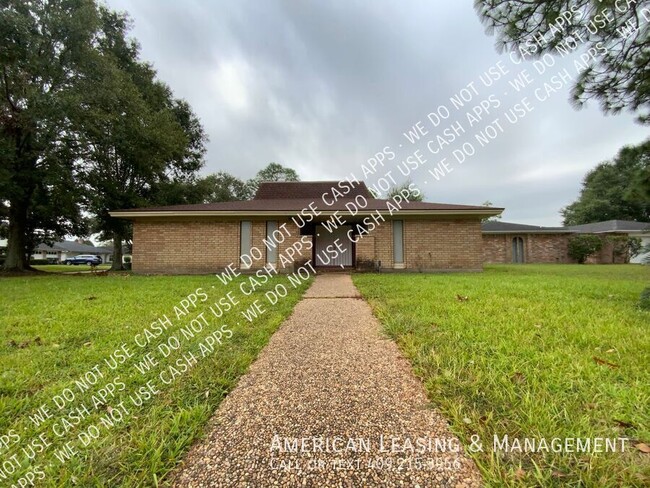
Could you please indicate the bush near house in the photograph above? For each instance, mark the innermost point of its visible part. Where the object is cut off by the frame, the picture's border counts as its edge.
(584, 245)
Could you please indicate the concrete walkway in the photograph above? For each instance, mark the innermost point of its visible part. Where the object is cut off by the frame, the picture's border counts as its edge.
(329, 402)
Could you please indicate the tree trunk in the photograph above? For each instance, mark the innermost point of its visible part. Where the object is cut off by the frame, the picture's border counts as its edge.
(117, 253)
(17, 257)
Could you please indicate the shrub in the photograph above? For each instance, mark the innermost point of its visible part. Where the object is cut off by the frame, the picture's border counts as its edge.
(584, 245)
(644, 301)
(39, 261)
(127, 259)
(634, 246)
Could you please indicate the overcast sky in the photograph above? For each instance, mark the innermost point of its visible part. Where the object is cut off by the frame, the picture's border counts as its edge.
(322, 86)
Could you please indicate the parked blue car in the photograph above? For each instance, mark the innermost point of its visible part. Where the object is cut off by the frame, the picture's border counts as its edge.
(84, 259)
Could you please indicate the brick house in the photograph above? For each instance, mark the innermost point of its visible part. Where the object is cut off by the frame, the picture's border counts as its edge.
(291, 222)
(506, 242)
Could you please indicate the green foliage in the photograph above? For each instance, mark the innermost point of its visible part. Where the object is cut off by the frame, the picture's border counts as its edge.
(41, 54)
(407, 190)
(272, 172)
(644, 300)
(277, 172)
(617, 189)
(77, 322)
(488, 203)
(84, 124)
(617, 76)
(517, 358)
(222, 187)
(584, 245)
(625, 246)
(634, 246)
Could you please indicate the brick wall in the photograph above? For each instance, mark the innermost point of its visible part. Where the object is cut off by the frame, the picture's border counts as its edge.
(494, 248)
(207, 246)
(538, 248)
(177, 247)
(443, 245)
(547, 248)
(429, 245)
(201, 246)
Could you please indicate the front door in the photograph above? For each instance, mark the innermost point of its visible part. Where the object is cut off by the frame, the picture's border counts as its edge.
(325, 244)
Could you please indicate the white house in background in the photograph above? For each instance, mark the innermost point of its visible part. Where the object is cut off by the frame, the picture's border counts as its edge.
(630, 228)
(60, 251)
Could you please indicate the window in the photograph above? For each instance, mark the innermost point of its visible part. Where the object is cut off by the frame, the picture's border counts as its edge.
(271, 246)
(517, 250)
(398, 243)
(245, 235)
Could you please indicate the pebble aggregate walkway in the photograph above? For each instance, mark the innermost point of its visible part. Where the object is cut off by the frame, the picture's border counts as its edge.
(327, 380)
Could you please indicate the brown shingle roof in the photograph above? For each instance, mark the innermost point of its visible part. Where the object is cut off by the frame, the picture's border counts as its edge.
(272, 190)
(289, 198)
(297, 204)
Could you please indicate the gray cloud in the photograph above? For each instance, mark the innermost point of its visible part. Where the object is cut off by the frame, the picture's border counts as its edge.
(322, 86)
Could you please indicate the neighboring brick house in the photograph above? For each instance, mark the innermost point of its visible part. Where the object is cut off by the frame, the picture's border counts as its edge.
(620, 228)
(205, 238)
(506, 242)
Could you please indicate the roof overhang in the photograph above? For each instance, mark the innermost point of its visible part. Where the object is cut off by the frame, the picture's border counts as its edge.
(285, 213)
(619, 231)
(523, 231)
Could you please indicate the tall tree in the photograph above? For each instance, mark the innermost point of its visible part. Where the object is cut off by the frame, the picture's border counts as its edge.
(615, 32)
(136, 136)
(216, 187)
(222, 187)
(616, 189)
(42, 44)
(272, 172)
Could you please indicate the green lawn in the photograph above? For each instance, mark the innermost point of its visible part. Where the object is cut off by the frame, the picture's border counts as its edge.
(54, 329)
(63, 268)
(517, 357)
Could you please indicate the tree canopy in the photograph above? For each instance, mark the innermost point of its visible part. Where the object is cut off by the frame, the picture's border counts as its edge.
(43, 45)
(222, 187)
(84, 125)
(616, 189)
(272, 172)
(408, 189)
(615, 34)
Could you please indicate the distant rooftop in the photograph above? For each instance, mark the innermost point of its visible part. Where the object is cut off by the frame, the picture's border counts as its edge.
(608, 226)
(73, 246)
(498, 227)
(612, 226)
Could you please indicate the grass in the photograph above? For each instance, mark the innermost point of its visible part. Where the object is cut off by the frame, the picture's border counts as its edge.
(517, 358)
(55, 328)
(64, 268)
